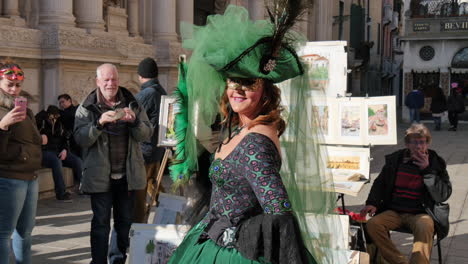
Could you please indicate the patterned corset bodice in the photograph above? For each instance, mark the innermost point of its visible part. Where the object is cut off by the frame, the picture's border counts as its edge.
(247, 182)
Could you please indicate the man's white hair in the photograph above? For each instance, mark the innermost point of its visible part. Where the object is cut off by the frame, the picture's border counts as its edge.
(105, 65)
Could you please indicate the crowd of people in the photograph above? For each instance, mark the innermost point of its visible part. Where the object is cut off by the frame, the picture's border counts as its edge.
(110, 142)
(109, 133)
(454, 105)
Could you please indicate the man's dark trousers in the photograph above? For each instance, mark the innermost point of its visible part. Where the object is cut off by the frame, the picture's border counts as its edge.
(122, 201)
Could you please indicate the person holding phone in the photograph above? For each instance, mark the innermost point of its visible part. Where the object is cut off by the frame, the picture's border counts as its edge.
(109, 126)
(20, 148)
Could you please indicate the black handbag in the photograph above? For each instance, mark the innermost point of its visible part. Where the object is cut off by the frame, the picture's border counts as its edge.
(440, 214)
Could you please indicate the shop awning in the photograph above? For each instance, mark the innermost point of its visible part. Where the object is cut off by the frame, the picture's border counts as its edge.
(459, 70)
(425, 70)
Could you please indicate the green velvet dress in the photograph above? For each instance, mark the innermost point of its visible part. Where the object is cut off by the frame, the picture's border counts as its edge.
(250, 218)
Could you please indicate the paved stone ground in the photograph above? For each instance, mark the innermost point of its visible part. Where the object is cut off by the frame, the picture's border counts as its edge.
(61, 235)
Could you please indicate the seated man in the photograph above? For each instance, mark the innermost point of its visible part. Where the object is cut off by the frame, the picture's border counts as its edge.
(68, 119)
(55, 150)
(403, 195)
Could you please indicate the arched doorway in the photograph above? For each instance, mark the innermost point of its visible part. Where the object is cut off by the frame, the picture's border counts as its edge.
(459, 74)
(427, 82)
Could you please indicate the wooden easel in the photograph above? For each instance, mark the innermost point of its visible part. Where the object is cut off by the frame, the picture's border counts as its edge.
(155, 183)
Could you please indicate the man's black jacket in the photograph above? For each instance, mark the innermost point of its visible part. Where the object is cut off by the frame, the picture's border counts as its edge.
(436, 181)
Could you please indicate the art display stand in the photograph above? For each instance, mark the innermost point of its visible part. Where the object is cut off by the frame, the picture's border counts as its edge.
(155, 183)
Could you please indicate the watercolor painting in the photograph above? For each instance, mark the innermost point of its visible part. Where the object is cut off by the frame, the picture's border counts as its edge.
(343, 162)
(350, 121)
(321, 118)
(318, 71)
(377, 120)
(166, 137)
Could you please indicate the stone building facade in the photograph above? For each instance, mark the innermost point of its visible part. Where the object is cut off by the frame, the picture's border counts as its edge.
(59, 43)
(435, 47)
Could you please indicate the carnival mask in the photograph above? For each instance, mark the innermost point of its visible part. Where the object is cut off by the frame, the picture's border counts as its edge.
(13, 73)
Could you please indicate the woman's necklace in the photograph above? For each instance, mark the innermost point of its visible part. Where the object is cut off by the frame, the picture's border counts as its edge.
(236, 131)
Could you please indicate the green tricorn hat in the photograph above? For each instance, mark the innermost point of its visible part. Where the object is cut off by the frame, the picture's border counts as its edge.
(256, 62)
(236, 46)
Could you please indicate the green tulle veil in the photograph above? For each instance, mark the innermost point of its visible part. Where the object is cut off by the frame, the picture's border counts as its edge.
(203, 81)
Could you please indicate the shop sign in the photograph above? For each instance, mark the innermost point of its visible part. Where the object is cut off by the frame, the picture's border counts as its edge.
(421, 26)
(453, 26)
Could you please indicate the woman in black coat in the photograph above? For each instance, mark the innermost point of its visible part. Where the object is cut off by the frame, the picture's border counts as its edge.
(456, 105)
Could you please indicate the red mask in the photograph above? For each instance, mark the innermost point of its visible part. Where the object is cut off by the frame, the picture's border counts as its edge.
(13, 73)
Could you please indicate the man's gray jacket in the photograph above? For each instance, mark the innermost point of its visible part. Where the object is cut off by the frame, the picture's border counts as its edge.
(95, 145)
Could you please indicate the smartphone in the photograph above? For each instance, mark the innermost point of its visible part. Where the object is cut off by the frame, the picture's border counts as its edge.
(21, 102)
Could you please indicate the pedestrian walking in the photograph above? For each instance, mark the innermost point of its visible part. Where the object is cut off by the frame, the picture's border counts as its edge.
(438, 107)
(456, 105)
(414, 101)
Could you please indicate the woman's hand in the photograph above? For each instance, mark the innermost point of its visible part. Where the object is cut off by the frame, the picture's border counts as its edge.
(16, 115)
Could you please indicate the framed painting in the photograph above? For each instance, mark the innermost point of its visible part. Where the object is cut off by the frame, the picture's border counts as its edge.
(323, 113)
(168, 110)
(326, 64)
(381, 120)
(348, 166)
(350, 122)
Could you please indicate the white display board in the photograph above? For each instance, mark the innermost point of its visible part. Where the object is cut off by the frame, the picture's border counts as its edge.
(169, 210)
(356, 120)
(154, 244)
(349, 168)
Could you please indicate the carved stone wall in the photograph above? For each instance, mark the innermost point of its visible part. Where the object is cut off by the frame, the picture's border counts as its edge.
(116, 20)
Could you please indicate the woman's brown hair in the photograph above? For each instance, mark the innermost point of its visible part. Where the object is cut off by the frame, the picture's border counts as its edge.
(269, 112)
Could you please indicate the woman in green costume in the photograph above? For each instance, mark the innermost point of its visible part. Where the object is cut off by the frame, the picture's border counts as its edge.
(250, 218)
(255, 215)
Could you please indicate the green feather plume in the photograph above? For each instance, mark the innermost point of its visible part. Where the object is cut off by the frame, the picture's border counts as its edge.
(180, 168)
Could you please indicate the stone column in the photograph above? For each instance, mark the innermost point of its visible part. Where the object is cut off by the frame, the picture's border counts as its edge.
(164, 20)
(324, 16)
(89, 14)
(132, 22)
(256, 9)
(56, 12)
(184, 12)
(10, 8)
(146, 20)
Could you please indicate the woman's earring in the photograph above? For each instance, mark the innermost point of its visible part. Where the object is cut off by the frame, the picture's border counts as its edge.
(265, 98)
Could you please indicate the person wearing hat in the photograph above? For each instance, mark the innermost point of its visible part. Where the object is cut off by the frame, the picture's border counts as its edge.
(150, 98)
(56, 152)
(456, 105)
(256, 214)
